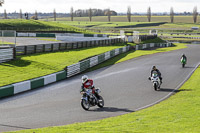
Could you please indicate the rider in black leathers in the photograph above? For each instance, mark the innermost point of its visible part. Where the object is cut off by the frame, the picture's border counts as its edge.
(159, 73)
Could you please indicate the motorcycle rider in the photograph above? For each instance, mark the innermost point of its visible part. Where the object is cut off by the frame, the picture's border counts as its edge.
(159, 73)
(184, 58)
(87, 84)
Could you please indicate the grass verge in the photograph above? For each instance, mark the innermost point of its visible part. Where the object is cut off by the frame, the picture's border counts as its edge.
(33, 66)
(180, 110)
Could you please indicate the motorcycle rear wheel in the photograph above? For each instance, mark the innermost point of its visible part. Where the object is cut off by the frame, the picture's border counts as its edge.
(101, 102)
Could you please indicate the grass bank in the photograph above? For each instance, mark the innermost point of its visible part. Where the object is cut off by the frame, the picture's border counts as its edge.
(32, 66)
(37, 26)
(177, 114)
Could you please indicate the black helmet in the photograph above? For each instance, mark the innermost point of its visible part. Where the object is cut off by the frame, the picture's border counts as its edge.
(154, 67)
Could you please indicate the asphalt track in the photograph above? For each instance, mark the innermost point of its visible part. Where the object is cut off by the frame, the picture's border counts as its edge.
(125, 88)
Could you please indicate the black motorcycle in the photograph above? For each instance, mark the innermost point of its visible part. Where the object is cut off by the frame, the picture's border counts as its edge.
(89, 99)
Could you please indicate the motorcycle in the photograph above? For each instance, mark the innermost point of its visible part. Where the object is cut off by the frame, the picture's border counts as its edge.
(183, 62)
(89, 99)
(155, 80)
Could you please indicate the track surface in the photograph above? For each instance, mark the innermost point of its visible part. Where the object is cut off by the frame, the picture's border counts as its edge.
(125, 88)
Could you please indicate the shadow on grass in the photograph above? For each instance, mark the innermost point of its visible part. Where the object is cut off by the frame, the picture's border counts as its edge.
(111, 109)
(17, 63)
(142, 25)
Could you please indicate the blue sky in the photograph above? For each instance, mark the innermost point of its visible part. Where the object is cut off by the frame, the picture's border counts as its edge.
(117, 5)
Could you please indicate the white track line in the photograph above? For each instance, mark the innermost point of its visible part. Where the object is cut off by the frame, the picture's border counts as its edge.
(167, 96)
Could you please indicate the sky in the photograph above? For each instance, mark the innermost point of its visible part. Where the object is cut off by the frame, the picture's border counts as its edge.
(63, 6)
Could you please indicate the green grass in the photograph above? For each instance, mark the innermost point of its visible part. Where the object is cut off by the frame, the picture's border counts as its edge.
(36, 25)
(182, 39)
(182, 25)
(4, 42)
(32, 66)
(155, 40)
(133, 54)
(177, 19)
(178, 114)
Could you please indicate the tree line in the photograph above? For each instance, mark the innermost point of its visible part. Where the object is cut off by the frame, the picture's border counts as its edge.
(106, 12)
(172, 14)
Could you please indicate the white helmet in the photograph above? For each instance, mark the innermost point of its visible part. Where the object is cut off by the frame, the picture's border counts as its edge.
(84, 78)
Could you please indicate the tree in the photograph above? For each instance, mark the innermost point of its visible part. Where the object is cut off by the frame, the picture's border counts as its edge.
(109, 15)
(129, 14)
(1, 2)
(72, 14)
(5, 14)
(20, 14)
(54, 14)
(172, 15)
(195, 14)
(36, 15)
(90, 14)
(149, 14)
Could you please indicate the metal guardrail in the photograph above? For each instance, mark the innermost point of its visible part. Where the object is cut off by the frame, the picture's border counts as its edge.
(151, 45)
(6, 54)
(88, 63)
(31, 49)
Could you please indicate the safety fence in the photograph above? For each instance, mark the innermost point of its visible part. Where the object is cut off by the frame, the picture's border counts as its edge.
(152, 45)
(69, 71)
(31, 49)
(21, 34)
(6, 54)
(88, 63)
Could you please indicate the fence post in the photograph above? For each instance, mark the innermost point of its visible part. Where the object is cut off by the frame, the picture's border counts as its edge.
(25, 50)
(35, 48)
(43, 47)
(14, 52)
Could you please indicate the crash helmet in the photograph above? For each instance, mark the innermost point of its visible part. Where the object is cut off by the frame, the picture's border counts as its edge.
(154, 67)
(84, 78)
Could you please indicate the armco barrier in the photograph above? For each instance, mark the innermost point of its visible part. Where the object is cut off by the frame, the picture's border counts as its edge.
(6, 54)
(58, 34)
(151, 45)
(88, 63)
(71, 70)
(31, 49)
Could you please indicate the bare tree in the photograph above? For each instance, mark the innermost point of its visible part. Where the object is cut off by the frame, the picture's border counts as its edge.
(72, 14)
(1, 2)
(5, 14)
(149, 14)
(172, 15)
(36, 15)
(109, 15)
(90, 14)
(54, 14)
(129, 14)
(20, 14)
(195, 14)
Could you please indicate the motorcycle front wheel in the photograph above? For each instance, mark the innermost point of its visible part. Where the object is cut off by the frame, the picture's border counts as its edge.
(85, 105)
(155, 87)
(101, 102)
